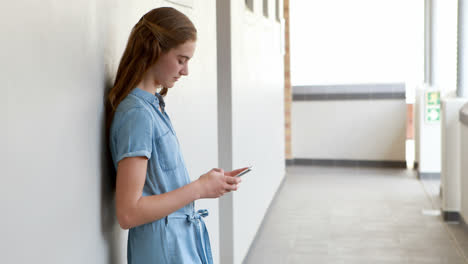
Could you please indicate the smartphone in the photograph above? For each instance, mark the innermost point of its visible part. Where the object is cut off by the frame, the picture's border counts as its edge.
(244, 171)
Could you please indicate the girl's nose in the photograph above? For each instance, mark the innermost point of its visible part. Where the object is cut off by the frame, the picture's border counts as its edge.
(184, 70)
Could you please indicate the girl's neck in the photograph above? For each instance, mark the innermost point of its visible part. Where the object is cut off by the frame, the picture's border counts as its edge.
(149, 85)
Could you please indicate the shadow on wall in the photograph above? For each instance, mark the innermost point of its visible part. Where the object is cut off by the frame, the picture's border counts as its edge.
(110, 233)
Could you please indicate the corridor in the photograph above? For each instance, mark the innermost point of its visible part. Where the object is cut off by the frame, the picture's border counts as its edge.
(357, 215)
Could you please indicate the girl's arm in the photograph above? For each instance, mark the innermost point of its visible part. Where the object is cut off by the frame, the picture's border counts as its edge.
(133, 209)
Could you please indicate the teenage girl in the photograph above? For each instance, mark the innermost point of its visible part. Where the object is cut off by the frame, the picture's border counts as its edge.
(154, 194)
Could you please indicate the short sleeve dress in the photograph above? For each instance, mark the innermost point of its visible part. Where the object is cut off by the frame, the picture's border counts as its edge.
(139, 128)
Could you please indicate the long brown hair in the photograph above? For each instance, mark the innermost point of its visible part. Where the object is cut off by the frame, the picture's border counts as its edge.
(158, 31)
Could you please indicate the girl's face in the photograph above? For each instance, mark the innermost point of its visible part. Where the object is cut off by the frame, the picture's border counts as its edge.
(172, 64)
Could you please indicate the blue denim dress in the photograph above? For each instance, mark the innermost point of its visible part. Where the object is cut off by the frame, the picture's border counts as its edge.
(140, 129)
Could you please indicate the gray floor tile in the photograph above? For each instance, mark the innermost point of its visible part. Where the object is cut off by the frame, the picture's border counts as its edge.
(356, 215)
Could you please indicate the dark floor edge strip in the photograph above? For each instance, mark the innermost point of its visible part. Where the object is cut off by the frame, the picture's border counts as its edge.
(349, 96)
(429, 175)
(347, 163)
(450, 216)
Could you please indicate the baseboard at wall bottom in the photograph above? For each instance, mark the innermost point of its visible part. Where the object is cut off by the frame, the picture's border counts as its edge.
(429, 175)
(348, 163)
(451, 216)
(348, 96)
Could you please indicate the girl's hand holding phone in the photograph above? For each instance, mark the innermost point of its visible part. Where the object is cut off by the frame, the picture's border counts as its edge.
(216, 183)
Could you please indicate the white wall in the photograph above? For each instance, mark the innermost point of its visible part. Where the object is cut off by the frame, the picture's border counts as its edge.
(255, 68)
(57, 58)
(351, 130)
(57, 209)
(258, 121)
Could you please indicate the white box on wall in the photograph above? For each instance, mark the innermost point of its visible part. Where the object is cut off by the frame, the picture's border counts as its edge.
(428, 135)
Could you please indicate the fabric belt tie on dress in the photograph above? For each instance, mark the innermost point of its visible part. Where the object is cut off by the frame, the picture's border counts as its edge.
(203, 239)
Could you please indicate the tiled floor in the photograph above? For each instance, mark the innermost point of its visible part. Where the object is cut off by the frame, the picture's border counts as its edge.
(356, 215)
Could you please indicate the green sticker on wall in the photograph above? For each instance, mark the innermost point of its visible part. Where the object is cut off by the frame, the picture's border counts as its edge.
(432, 107)
(433, 98)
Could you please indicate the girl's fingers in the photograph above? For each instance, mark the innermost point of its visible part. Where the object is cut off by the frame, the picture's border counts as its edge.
(232, 180)
(219, 170)
(231, 187)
